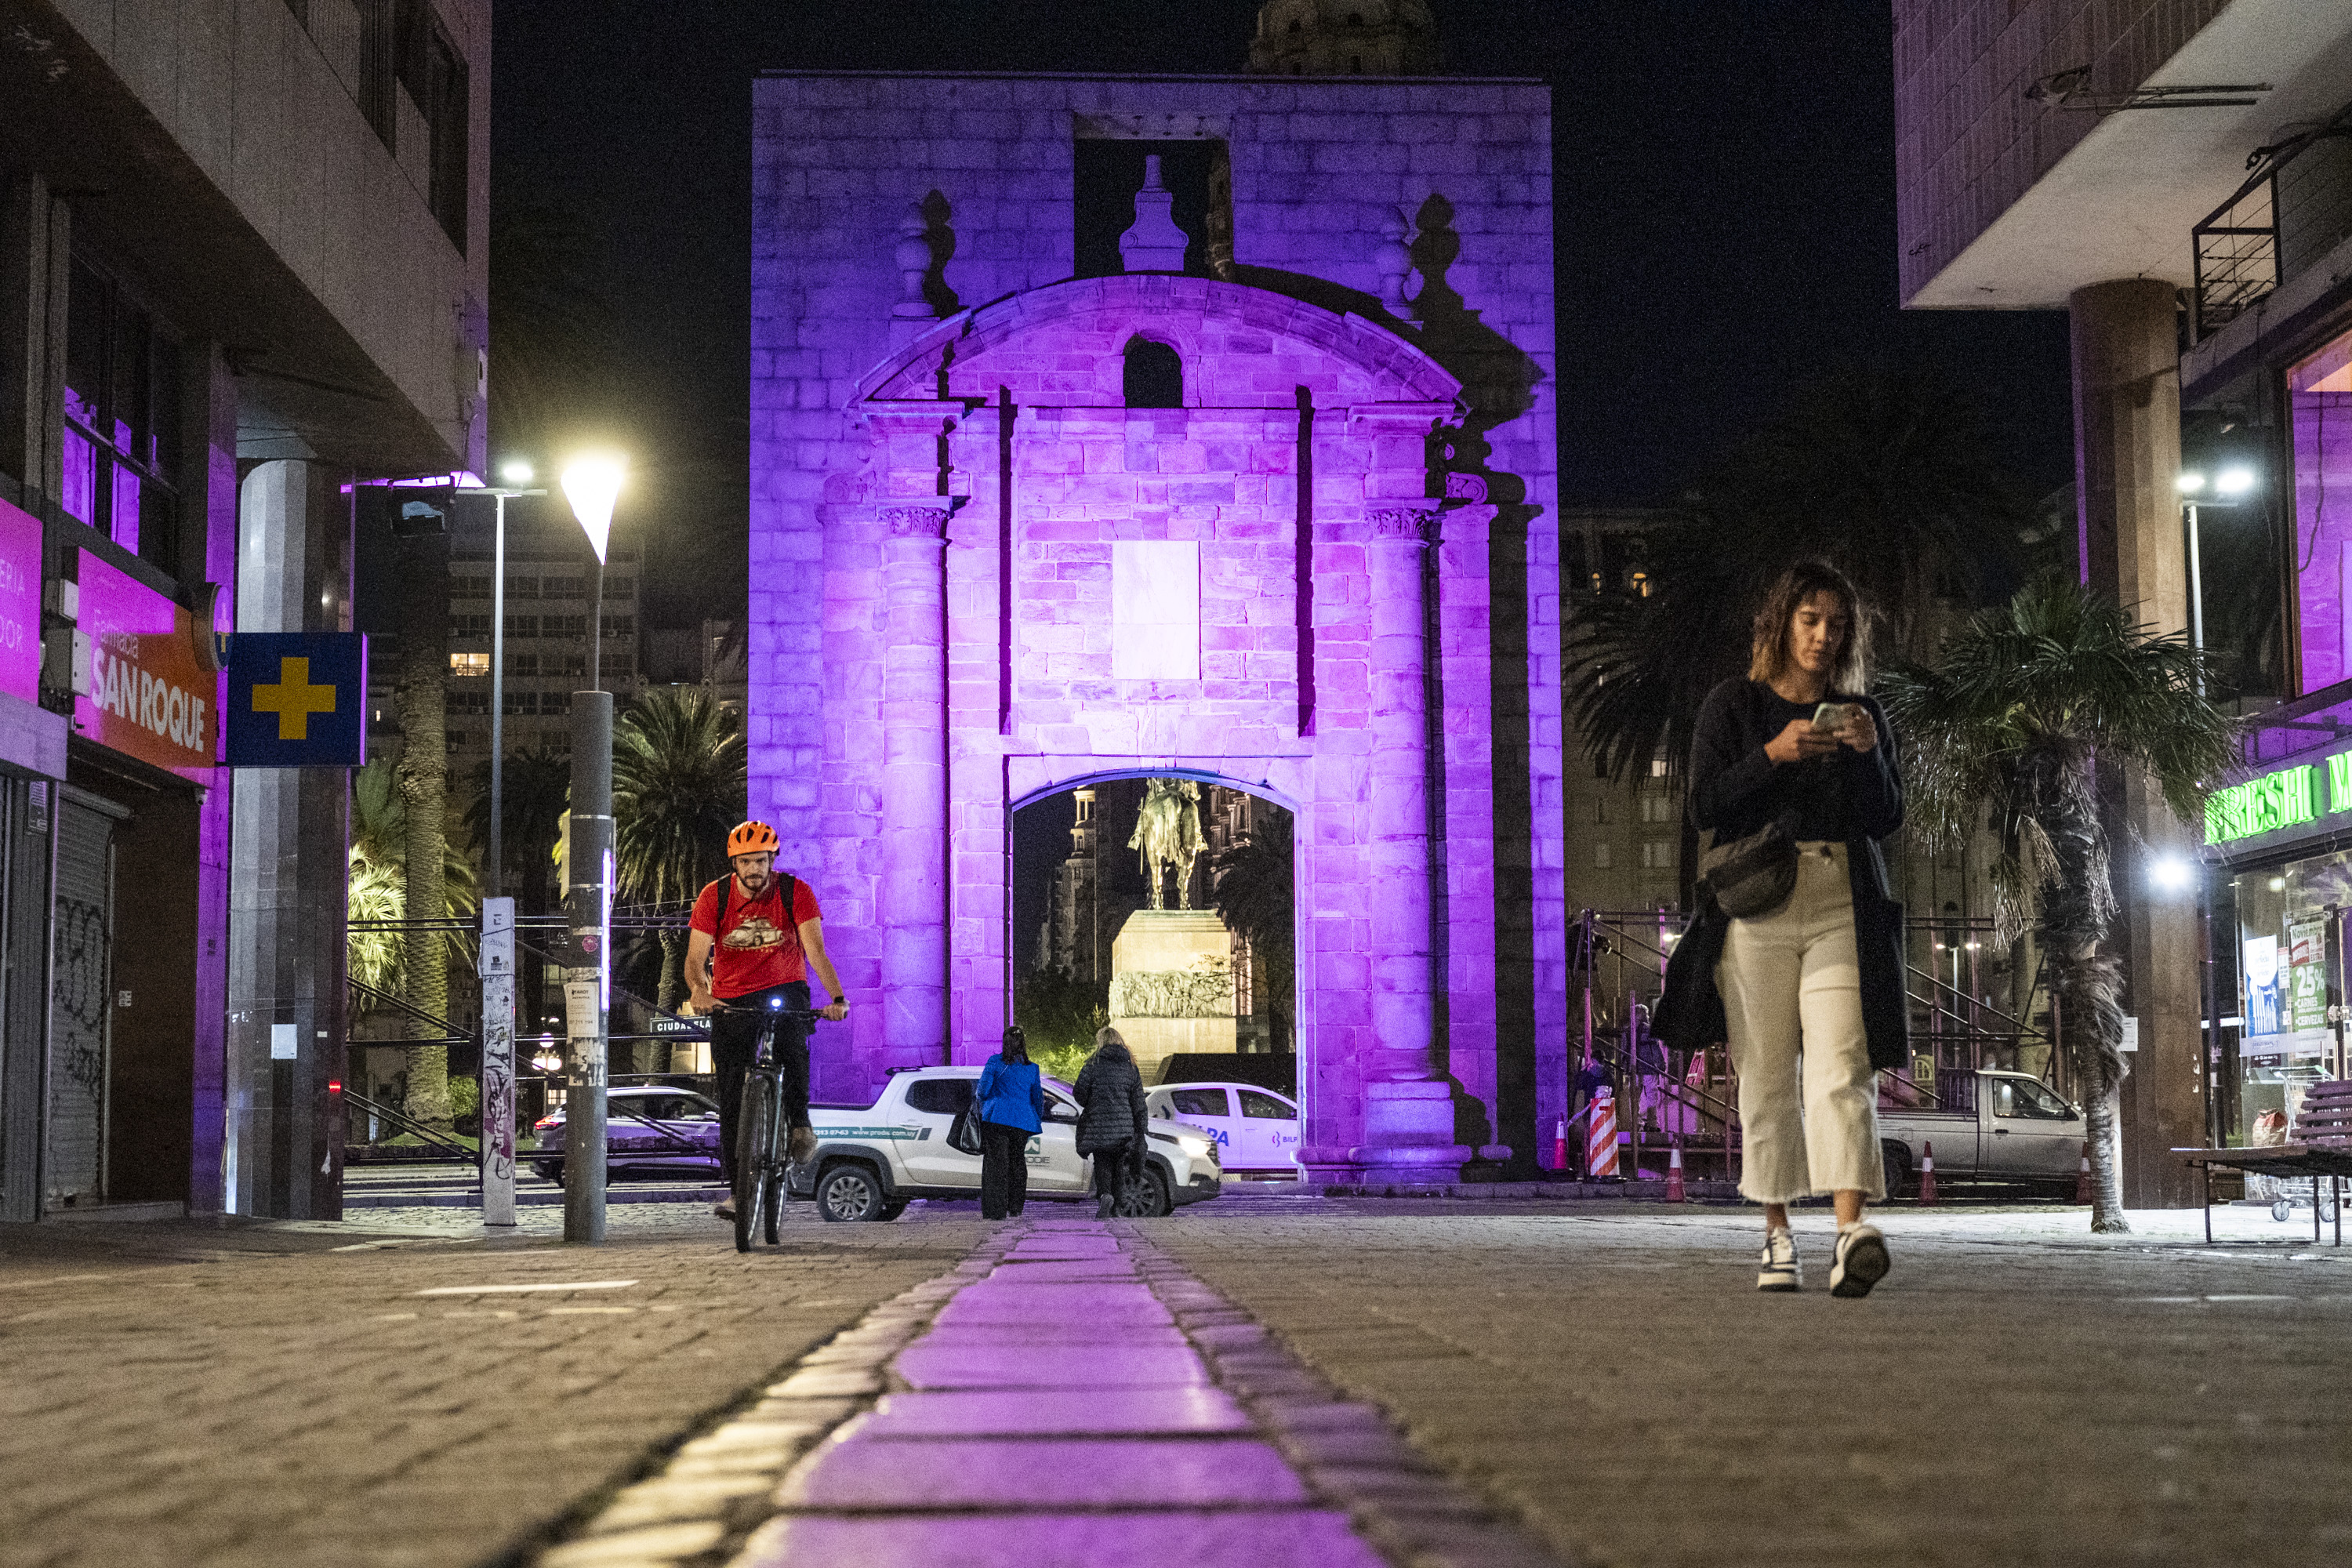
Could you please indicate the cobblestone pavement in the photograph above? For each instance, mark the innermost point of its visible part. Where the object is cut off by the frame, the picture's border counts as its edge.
(389, 1391)
(2016, 1392)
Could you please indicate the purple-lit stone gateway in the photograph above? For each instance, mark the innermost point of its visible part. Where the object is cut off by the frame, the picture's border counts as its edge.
(939, 509)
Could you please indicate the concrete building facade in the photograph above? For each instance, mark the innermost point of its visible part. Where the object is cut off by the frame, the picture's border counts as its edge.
(241, 261)
(1267, 502)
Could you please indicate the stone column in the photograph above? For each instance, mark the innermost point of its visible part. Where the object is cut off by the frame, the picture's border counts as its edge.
(912, 897)
(2126, 460)
(1408, 1104)
(289, 839)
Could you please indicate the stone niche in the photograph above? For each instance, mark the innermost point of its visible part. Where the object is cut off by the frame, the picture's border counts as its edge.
(1172, 986)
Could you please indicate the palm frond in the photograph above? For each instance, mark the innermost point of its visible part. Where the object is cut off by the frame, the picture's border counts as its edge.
(680, 775)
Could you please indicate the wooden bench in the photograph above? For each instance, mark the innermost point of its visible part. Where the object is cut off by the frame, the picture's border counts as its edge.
(2318, 1144)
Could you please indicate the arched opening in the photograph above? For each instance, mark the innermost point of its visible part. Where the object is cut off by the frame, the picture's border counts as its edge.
(1154, 376)
(1205, 977)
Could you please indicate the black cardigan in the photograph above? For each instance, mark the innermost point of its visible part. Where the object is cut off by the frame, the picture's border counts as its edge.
(1737, 790)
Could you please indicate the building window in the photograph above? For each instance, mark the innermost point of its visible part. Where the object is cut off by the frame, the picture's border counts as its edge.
(430, 75)
(1154, 375)
(469, 587)
(1657, 808)
(1601, 857)
(620, 587)
(563, 625)
(1657, 855)
(522, 626)
(470, 625)
(469, 664)
(120, 438)
(620, 625)
(563, 587)
(523, 587)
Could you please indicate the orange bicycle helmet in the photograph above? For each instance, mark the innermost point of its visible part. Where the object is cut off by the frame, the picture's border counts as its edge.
(751, 839)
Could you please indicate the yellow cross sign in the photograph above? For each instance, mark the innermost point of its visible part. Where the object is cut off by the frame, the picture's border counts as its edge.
(293, 699)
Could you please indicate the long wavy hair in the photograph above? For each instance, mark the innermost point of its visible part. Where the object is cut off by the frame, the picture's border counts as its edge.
(1769, 659)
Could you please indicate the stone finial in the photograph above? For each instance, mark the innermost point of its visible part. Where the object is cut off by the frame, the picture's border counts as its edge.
(915, 522)
(1406, 524)
(1394, 261)
(913, 255)
(1155, 243)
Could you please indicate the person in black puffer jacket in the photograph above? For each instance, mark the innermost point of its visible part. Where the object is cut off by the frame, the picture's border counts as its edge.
(1112, 1119)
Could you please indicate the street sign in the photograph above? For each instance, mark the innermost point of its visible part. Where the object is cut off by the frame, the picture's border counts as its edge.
(297, 699)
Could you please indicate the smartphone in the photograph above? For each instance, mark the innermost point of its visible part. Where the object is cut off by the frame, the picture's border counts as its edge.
(1831, 717)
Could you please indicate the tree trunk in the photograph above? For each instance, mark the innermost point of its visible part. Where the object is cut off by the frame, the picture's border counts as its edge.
(423, 774)
(2077, 916)
(672, 971)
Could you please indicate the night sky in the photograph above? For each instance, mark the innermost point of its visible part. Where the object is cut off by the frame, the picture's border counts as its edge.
(1723, 187)
(1725, 179)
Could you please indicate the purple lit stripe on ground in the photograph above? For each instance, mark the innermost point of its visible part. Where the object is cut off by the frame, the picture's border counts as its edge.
(1057, 1417)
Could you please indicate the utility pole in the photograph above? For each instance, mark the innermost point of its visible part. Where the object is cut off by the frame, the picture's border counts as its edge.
(588, 911)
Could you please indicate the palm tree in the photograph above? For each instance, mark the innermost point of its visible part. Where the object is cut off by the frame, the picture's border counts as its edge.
(2028, 700)
(1886, 474)
(1253, 895)
(679, 778)
(379, 892)
(424, 775)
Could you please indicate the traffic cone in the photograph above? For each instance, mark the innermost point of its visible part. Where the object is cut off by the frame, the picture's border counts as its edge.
(1927, 1173)
(1559, 1145)
(2083, 1178)
(1675, 1193)
(1600, 1138)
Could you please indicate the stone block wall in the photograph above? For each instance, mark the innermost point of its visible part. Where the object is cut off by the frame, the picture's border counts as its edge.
(852, 461)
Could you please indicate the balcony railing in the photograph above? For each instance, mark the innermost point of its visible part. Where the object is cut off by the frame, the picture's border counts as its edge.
(2293, 206)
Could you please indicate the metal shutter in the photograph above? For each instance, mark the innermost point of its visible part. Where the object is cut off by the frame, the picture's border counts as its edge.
(81, 1006)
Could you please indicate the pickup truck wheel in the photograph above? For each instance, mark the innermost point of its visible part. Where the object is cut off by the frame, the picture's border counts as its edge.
(1897, 1165)
(847, 1193)
(1147, 1199)
(893, 1209)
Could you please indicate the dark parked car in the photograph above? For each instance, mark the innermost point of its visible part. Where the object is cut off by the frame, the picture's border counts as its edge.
(650, 1130)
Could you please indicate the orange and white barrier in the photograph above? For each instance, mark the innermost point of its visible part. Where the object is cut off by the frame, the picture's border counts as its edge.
(1675, 1193)
(1927, 1173)
(1600, 1137)
(1559, 1145)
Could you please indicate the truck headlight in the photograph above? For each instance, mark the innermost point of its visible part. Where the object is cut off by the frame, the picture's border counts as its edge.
(1195, 1148)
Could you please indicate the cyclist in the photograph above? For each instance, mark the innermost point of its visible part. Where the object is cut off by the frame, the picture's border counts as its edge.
(753, 938)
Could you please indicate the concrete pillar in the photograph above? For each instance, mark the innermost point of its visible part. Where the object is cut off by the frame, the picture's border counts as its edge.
(35, 254)
(1408, 1104)
(913, 902)
(288, 841)
(2126, 460)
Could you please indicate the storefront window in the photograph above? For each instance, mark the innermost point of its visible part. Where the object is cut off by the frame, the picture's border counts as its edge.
(122, 390)
(2289, 964)
(2319, 391)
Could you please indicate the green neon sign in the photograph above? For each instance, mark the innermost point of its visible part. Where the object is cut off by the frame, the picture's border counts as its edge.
(2282, 799)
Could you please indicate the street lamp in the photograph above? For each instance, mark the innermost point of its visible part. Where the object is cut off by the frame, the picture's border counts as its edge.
(591, 483)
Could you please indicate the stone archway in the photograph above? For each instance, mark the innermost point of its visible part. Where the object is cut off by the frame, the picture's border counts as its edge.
(1026, 582)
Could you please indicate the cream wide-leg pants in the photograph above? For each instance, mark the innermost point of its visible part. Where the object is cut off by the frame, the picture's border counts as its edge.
(1792, 987)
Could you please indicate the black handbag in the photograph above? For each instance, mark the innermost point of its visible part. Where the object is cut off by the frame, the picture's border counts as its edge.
(963, 1133)
(1751, 877)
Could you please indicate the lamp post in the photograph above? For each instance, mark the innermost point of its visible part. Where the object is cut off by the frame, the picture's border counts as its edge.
(592, 484)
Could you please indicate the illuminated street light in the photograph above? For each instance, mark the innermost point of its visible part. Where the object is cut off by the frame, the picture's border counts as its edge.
(517, 472)
(2190, 483)
(591, 483)
(2235, 480)
(2172, 874)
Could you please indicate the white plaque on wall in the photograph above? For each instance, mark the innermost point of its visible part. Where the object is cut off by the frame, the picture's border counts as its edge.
(1155, 610)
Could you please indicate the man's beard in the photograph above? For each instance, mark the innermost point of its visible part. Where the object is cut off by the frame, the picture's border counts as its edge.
(757, 882)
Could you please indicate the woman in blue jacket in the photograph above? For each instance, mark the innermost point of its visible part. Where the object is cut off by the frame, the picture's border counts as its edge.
(1011, 1103)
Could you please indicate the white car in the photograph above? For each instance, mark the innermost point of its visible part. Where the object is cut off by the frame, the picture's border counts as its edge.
(1255, 1129)
(872, 1160)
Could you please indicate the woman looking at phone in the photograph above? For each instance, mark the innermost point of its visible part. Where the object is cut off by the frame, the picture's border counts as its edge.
(1808, 994)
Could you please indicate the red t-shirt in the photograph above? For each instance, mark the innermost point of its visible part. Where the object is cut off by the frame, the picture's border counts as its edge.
(758, 948)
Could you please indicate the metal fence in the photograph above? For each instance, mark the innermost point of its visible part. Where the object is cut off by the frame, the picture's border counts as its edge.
(1669, 1099)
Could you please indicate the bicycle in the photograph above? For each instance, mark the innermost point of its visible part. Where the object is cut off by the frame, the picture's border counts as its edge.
(759, 1169)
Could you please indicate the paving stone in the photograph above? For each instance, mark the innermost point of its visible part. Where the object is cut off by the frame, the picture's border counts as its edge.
(655, 1543)
(962, 1365)
(1042, 1473)
(1290, 1538)
(1061, 1413)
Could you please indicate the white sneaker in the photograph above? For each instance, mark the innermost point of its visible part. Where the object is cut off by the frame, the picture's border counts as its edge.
(1862, 1261)
(724, 1209)
(1780, 1270)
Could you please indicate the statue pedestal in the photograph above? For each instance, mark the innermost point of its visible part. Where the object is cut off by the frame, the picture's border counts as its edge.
(1165, 955)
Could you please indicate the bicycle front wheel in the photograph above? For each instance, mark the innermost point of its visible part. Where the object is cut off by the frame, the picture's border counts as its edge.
(755, 1154)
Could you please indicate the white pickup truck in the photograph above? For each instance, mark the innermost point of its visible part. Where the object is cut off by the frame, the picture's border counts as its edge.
(871, 1161)
(1986, 1126)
